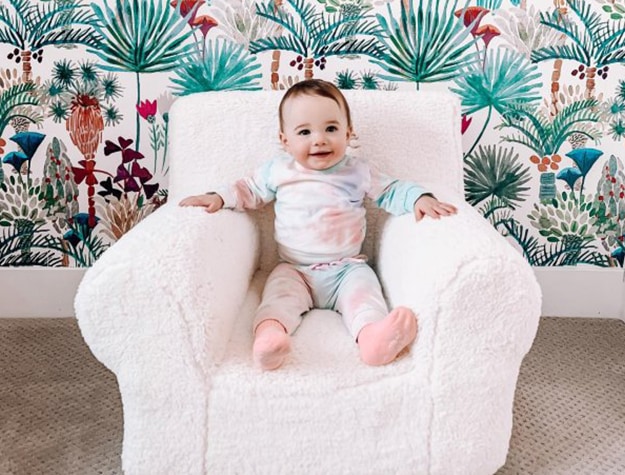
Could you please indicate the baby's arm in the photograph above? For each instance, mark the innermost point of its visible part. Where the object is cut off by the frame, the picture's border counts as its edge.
(399, 197)
(211, 202)
(427, 205)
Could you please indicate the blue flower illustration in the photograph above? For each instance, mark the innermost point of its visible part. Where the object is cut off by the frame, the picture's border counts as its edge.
(584, 158)
(570, 175)
(29, 142)
(16, 159)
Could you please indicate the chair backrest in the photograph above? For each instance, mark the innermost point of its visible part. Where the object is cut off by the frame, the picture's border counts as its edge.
(218, 137)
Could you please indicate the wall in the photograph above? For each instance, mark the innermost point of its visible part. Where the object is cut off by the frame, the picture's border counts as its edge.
(85, 89)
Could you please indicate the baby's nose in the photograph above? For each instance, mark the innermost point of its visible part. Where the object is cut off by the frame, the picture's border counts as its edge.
(319, 138)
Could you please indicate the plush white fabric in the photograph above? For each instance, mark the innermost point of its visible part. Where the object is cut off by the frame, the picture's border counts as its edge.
(169, 308)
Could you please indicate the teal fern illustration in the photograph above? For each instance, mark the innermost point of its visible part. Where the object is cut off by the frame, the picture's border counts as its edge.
(568, 225)
(40, 251)
(572, 250)
(593, 42)
(143, 36)
(493, 172)
(84, 246)
(490, 4)
(31, 26)
(19, 100)
(506, 80)
(315, 34)
(427, 44)
(226, 66)
(545, 134)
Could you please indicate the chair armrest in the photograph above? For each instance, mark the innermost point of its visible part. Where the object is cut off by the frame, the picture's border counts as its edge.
(478, 304)
(157, 309)
(174, 283)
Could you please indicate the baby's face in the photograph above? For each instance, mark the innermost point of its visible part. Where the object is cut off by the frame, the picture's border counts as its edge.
(314, 131)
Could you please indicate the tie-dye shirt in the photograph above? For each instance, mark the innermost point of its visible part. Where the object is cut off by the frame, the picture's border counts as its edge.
(320, 215)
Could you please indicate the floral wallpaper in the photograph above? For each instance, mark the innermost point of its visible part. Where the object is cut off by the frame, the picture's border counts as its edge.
(85, 89)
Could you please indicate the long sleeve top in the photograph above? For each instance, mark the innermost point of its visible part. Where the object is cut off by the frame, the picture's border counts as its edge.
(320, 216)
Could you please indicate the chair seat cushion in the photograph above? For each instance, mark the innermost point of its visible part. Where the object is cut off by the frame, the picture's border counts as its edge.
(325, 375)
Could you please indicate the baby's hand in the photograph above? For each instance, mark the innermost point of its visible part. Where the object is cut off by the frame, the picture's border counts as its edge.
(427, 205)
(211, 202)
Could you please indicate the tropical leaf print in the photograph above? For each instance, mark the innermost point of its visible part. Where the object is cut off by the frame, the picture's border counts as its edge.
(592, 42)
(505, 80)
(544, 134)
(31, 26)
(571, 250)
(609, 205)
(19, 101)
(239, 22)
(143, 36)
(493, 172)
(27, 246)
(427, 44)
(315, 34)
(226, 66)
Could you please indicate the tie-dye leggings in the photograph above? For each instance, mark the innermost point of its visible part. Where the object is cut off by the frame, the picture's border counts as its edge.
(349, 287)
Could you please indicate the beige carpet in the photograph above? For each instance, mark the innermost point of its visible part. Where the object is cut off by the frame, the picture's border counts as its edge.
(60, 411)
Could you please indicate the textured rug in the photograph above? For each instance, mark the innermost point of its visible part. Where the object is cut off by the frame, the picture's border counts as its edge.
(60, 411)
(569, 408)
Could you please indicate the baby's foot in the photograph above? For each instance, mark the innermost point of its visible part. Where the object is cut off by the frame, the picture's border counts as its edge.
(272, 344)
(382, 341)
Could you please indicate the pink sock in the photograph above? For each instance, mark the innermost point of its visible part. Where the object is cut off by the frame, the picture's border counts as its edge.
(382, 341)
(272, 344)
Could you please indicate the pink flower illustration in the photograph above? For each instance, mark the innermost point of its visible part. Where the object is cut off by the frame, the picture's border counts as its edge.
(147, 109)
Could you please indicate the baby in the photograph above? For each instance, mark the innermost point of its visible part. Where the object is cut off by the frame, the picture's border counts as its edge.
(320, 227)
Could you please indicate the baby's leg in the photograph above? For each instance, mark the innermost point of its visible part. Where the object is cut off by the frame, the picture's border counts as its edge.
(285, 298)
(382, 341)
(381, 336)
(272, 344)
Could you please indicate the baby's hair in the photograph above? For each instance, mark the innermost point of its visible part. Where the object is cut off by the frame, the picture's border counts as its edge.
(316, 87)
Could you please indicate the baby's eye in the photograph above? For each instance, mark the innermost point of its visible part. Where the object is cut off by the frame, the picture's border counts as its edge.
(304, 132)
(332, 128)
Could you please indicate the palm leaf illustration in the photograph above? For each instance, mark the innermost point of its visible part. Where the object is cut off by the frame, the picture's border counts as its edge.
(553, 254)
(495, 172)
(314, 34)
(545, 135)
(19, 100)
(592, 41)
(226, 66)
(427, 44)
(30, 26)
(12, 248)
(506, 80)
(142, 36)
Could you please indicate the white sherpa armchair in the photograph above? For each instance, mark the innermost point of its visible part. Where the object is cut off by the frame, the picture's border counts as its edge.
(169, 310)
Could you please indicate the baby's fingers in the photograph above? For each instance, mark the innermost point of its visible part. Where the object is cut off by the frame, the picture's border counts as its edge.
(186, 202)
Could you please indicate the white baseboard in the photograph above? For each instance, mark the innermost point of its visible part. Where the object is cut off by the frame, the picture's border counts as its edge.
(582, 291)
(38, 292)
(567, 292)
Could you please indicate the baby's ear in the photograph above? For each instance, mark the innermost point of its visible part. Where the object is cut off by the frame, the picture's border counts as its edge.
(282, 138)
(352, 139)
